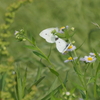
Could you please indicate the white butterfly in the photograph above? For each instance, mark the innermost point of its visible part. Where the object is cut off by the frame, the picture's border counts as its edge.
(48, 36)
(61, 45)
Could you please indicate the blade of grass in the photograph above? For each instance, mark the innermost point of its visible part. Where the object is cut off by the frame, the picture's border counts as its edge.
(19, 84)
(47, 96)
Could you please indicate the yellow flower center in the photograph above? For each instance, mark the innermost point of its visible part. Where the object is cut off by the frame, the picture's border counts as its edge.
(90, 58)
(62, 27)
(70, 58)
(70, 47)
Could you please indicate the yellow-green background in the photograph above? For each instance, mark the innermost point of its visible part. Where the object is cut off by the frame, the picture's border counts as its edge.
(41, 14)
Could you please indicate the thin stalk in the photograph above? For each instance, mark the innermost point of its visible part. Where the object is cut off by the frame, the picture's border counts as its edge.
(15, 92)
(85, 81)
(48, 62)
(80, 78)
(95, 89)
(95, 93)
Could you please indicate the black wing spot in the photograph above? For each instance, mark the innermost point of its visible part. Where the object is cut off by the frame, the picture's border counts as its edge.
(56, 39)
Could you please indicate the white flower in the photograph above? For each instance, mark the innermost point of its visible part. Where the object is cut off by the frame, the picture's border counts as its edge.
(13, 72)
(71, 48)
(63, 28)
(67, 93)
(16, 32)
(88, 59)
(70, 59)
(93, 54)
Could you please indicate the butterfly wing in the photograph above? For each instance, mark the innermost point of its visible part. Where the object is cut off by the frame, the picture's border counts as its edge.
(47, 34)
(61, 45)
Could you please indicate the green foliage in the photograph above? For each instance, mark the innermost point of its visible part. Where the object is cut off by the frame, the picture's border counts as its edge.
(4, 28)
(32, 70)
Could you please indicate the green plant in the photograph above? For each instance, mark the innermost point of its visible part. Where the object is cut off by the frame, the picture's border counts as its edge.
(71, 51)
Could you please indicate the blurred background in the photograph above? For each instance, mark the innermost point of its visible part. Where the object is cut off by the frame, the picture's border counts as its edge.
(41, 14)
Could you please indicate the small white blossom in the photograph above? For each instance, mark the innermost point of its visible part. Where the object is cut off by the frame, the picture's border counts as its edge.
(70, 59)
(16, 32)
(67, 93)
(88, 59)
(71, 48)
(63, 28)
(13, 72)
(67, 27)
(92, 54)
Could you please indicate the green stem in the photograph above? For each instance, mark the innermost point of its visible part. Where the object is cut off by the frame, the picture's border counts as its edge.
(28, 40)
(79, 68)
(48, 62)
(85, 81)
(81, 80)
(95, 93)
(62, 84)
(95, 89)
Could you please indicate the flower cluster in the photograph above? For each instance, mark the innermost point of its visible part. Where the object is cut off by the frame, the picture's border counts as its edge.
(87, 59)
(62, 29)
(52, 35)
(90, 58)
(20, 35)
(67, 95)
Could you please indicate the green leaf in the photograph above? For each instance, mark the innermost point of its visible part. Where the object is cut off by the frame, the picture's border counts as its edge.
(47, 96)
(98, 90)
(33, 41)
(66, 78)
(36, 83)
(72, 91)
(66, 34)
(77, 71)
(19, 84)
(53, 85)
(91, 80)
(39, 55)
(83, 94)
(30, 47)
(54, 72)
(98, 68)
(49, 52)
(38, 73)
(39, 80)
(60, 35)
(77, 86)
(53, 98)
(24, 82)
(2, 81)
